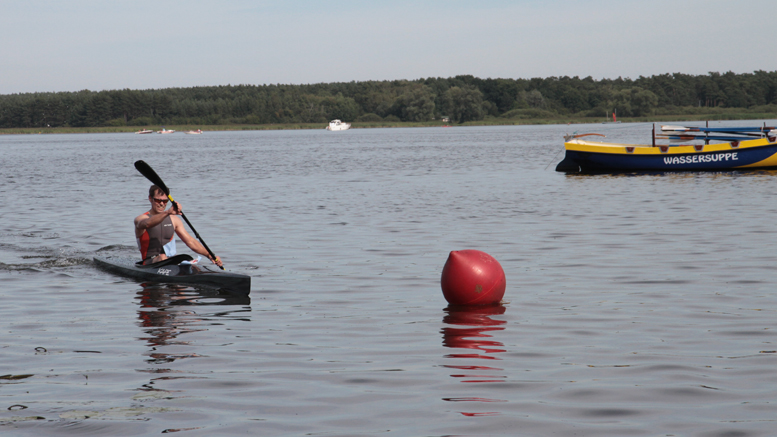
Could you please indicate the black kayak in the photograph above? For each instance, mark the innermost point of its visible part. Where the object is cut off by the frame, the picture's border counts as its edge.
(177, 270)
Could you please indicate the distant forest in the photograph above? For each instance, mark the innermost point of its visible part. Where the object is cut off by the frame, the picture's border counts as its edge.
(460, 98)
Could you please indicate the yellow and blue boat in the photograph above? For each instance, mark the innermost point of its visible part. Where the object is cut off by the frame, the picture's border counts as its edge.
(735, 148)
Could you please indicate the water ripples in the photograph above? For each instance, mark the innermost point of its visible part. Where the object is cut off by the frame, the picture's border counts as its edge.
(635, 304)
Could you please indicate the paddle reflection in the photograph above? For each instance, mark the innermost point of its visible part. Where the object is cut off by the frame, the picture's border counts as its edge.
(167, 311)
(476, 336)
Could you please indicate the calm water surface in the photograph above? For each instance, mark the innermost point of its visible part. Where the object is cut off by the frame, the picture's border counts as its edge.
(635, 306)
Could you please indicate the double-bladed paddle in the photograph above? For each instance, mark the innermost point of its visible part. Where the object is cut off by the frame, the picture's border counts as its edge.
(151, 175)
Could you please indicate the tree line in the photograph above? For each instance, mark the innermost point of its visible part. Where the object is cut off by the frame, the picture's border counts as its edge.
(460, 99)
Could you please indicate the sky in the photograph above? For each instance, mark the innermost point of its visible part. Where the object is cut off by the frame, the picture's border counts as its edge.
(99, 45)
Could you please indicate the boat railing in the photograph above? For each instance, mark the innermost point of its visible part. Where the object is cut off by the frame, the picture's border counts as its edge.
(678, 134)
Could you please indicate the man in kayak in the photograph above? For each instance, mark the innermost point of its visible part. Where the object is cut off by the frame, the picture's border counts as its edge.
(155, 230)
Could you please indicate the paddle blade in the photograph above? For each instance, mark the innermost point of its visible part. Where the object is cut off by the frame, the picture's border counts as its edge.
(151, 175)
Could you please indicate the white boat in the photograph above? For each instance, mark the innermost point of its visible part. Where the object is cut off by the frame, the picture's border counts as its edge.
(193, 132)
(338, 125)
(145, 131)
(165, 131)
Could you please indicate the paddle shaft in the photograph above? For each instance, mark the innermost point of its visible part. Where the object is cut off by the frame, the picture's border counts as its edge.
(151, 175)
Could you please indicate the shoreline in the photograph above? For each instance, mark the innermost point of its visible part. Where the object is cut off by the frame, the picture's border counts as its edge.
(492, 121)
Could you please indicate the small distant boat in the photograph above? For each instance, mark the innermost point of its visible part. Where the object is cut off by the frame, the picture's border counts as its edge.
(165, 131)
(338, 125)
(145, 131)
(736, 148)
(193, 132)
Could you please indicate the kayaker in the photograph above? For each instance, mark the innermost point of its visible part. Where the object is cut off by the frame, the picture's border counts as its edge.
(155, 230)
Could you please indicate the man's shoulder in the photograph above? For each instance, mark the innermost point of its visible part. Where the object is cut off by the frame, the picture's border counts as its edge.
(180, 229)
(143, 216)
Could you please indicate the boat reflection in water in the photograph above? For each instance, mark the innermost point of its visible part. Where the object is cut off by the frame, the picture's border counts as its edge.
(168, 311)
(472, 328)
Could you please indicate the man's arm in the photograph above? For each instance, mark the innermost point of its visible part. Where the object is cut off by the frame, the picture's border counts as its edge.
(192, 242)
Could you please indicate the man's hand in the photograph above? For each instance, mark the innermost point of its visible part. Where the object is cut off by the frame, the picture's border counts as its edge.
(175, 209)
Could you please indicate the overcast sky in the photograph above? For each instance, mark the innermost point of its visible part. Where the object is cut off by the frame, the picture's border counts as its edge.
(104, 44)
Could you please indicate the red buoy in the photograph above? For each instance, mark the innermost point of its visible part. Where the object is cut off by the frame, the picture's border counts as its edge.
(472, 277)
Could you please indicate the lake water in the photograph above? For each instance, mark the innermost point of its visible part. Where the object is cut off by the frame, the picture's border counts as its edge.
(636, 305)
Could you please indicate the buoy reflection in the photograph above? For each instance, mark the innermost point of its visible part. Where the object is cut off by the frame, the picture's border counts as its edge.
(474, 337)
(473, 328)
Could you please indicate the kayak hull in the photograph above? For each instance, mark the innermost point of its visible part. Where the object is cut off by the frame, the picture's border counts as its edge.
(173, 271)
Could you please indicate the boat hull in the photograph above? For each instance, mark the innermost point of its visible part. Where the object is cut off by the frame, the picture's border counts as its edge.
(595, 157)
(174, 272)
(337, 125)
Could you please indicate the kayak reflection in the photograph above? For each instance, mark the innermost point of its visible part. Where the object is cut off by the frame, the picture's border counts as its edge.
(476, 334)
(168, 311)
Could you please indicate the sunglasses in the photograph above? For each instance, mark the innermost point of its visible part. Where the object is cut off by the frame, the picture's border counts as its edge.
(162, 201)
